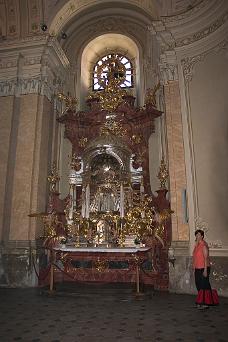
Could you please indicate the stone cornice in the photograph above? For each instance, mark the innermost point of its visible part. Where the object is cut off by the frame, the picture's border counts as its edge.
(32, 48)
(43, 67)
(219, 252)
(23, 43)
(17, 245)
(35, 85)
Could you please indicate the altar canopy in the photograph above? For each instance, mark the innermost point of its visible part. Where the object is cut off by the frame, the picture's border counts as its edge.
(110, 202)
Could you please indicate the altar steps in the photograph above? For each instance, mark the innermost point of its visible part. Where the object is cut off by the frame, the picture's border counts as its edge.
(113, 290)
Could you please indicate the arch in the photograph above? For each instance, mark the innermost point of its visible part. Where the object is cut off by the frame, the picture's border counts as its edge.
(74, 7)
(95, 152)
(101, 45)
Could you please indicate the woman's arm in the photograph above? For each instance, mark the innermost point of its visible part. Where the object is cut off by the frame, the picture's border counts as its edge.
(205, 254)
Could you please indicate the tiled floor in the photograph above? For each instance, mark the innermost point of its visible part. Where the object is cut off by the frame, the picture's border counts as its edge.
(98, 314)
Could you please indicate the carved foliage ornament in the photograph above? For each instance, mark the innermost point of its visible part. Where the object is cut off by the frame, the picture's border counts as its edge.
(34, 85)
(188, 63)
(111, 126)
(168, 72)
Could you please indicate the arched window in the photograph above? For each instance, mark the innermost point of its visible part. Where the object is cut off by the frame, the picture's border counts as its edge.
(115, 66)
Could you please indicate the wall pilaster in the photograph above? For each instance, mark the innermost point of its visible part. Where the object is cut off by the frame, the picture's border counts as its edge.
(175, 146)
(32, 72)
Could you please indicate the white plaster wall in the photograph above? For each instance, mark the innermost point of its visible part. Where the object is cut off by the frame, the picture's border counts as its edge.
(209, 115)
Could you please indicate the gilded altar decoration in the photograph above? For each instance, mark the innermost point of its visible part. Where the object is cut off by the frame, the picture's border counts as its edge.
(50, 221)
(110, 204)
(100, 265)
(75, 163)
(70, 102)
(83, 141)
(112, 96)
(150, 98)
(136, 139)
(112, 73)
(53, 178)
(163, 174)
(111, 126)
(164, 215)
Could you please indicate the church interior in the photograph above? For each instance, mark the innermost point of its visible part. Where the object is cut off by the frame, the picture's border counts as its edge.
(113, 117)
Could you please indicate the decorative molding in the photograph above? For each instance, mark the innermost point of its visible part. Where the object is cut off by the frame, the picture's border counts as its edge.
(34, 16)
(117, 25)
(168, 67)
(24, 42)
(168, 72)
(181, 248)
(215, 244)
(13, 18)
(32, 60)
(52, 42)
(177, 34)
(7, 88)
(43, 67)
(22, 86)
(148, 66)
(163, 35)
(73, 7)
(188, 63)
(8, 63)
(185, 15)
(203, 33)
(15, 246)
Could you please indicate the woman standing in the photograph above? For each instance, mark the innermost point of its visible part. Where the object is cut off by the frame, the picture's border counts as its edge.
(201, 264)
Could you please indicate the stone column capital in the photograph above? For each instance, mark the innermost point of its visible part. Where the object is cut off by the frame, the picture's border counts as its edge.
(32, 67)
(168, 67)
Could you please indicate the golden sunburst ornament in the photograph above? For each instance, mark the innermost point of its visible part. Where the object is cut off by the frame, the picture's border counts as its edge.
(111, 126)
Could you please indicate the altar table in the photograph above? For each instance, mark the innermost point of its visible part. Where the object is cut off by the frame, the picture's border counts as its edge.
(97, 264)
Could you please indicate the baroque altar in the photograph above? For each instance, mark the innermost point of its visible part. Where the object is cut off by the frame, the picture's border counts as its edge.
(111, 216)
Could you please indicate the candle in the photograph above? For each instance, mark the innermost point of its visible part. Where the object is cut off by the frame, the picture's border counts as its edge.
(87, 201)
(83, 202)
(121, 201)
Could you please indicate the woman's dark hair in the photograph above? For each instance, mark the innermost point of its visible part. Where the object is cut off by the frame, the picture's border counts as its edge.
(199, 231)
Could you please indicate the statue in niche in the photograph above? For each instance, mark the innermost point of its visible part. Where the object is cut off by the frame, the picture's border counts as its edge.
(102, 232)
(105, 200)
(105, 173)
(105, 233)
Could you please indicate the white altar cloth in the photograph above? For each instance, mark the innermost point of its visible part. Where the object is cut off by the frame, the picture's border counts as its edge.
(102, 250)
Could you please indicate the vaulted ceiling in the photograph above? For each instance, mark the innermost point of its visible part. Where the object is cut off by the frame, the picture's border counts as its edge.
(23, 18)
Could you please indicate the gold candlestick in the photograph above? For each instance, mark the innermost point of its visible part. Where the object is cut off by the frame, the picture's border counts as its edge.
(163, 174)
(53, 178)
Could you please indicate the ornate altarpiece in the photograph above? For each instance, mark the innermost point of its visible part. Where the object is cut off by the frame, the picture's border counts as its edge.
(110, 202)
